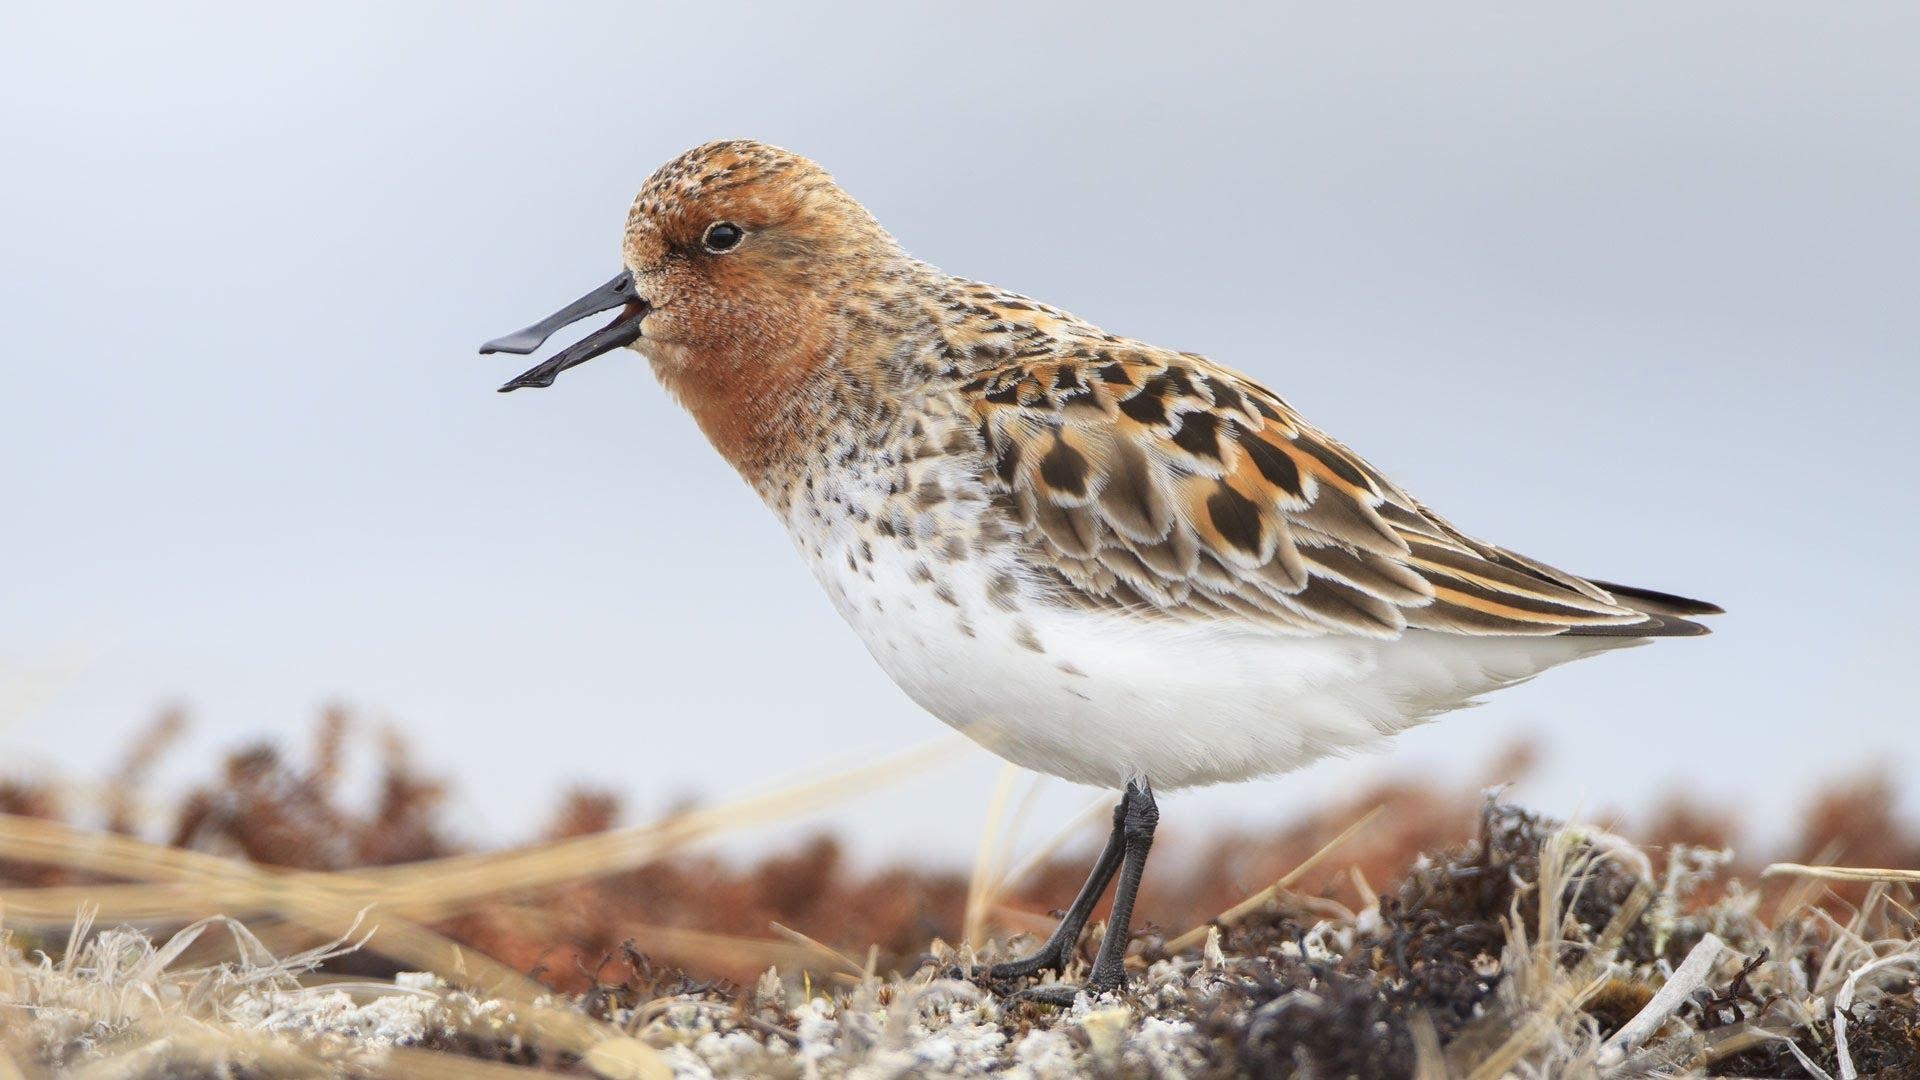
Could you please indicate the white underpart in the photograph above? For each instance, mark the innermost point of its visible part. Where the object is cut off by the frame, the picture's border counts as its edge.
(1112, 698)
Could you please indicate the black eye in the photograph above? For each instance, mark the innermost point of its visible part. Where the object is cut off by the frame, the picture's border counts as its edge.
(723, 236)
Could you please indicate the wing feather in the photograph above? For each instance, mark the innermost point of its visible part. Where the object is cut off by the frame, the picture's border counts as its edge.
(1161, 482)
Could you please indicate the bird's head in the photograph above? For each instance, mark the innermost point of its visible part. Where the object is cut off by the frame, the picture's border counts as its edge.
(737, 257)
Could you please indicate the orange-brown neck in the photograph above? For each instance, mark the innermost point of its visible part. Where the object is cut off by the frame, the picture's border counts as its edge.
(760, 400)
(774, 378)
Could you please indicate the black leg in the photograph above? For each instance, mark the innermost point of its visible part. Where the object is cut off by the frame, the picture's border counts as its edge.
(1136, 817)
(1058, 949)
(1109, 968)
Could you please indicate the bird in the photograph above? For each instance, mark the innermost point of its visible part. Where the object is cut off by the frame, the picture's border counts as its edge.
(1103, 560)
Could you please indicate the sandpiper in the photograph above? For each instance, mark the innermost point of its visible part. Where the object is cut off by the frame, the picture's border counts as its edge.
(1100, 559)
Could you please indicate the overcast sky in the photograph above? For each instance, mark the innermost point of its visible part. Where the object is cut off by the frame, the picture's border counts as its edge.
(1634, 289)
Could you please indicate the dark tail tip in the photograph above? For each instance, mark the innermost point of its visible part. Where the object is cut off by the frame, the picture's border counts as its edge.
(1660, 603)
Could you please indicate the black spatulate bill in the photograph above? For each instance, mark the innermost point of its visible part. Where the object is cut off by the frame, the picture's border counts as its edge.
(623, 330)
(611, 295)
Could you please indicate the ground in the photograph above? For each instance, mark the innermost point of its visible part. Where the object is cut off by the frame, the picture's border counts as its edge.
(1416, 932)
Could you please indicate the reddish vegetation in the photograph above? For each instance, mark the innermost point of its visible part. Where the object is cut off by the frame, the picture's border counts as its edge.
(272, 811)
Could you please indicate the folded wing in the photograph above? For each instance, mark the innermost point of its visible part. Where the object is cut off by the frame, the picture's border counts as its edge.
(1161, 482)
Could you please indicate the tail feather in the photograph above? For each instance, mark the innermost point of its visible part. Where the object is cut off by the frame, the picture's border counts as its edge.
(1667, 614)
(1659, 603)
(1654, 626)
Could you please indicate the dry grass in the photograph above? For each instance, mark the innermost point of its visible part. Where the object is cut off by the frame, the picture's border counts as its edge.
(276, 917)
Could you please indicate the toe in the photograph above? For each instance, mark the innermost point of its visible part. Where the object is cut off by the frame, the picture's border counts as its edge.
(1057, 995)
(1024, 967)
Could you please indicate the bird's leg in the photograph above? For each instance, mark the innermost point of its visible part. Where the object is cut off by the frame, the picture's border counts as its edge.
(1143, 816)
(1136, 818)
(1053, 955)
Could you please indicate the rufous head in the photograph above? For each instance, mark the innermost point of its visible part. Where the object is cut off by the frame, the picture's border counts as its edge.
(738, 256)
(734, 251)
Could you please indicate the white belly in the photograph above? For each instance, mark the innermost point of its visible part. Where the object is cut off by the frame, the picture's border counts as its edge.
(1101, 698)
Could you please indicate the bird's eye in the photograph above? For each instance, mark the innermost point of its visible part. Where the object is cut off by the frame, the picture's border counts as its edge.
(723, 236)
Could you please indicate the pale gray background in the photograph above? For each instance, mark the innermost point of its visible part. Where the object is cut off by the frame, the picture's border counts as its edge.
(1632, 289)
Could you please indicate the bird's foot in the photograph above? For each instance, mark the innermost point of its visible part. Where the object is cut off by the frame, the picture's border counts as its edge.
(1049, 957)
(1063, 995)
